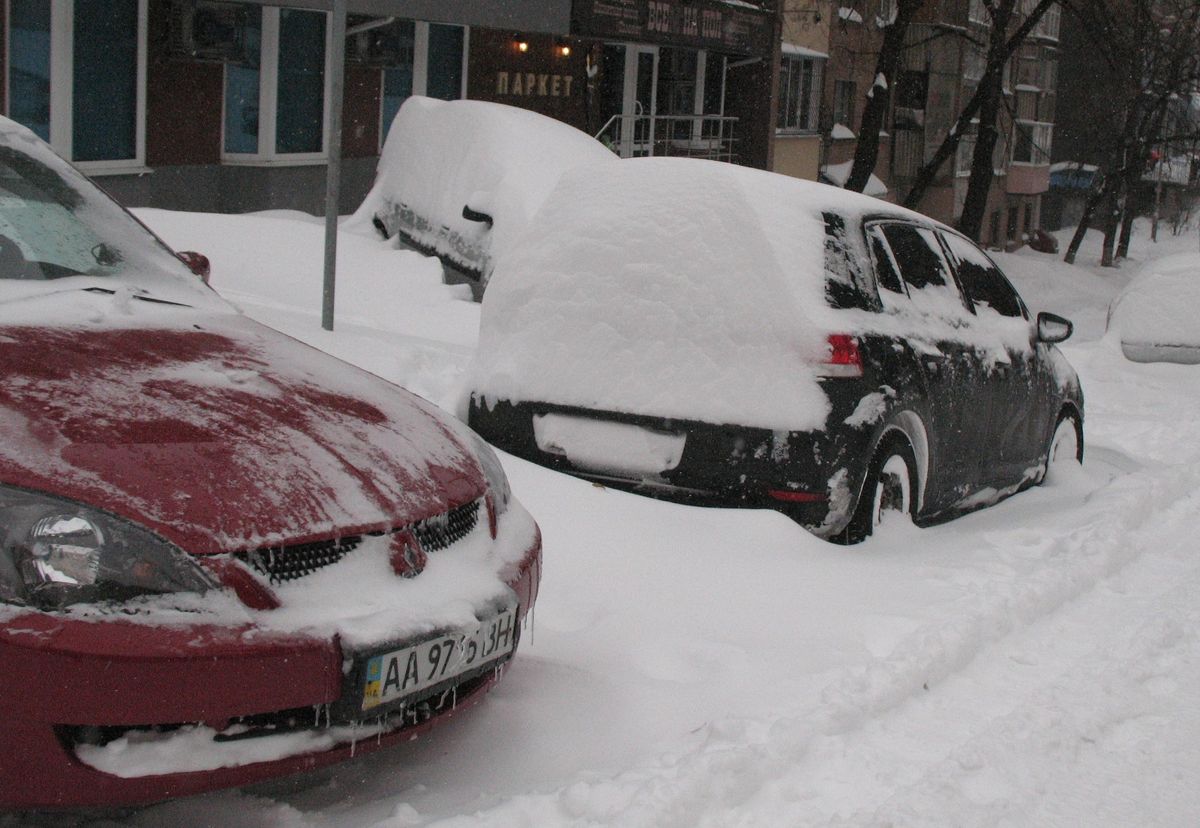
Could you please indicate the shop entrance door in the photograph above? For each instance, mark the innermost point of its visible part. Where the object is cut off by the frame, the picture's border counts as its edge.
(641, 100)
(629, 92)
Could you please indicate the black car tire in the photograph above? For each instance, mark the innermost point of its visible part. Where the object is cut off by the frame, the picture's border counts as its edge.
(890, 485)
(1066, 443)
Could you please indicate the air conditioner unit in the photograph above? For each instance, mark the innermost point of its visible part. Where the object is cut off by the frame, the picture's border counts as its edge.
(379, 41)
(208, 30)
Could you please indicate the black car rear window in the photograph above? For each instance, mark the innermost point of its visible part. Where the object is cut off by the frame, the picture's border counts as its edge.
(844, 279)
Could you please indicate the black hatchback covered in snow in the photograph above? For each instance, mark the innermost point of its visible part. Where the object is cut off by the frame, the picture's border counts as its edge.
(719, 335)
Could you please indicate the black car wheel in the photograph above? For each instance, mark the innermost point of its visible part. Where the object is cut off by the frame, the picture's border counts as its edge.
(890, 487)
(1066, 445)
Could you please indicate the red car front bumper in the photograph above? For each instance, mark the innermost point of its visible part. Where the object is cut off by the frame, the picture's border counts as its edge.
(58, 675)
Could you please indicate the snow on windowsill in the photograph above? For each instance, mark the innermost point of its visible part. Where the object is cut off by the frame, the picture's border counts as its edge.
(305, 161)
(837, 174)
(794, 50)
(841, 132)
(104, 168)
(850, 15)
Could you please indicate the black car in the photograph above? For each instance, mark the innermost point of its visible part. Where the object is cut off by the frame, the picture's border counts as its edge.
(940, 393)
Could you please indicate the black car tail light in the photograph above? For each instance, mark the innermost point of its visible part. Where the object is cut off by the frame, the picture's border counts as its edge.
(843, 359)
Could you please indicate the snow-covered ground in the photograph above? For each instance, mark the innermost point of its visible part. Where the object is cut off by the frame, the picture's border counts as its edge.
(1035, 663)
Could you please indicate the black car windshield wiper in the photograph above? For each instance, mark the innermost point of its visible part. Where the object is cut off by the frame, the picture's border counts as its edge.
(142, 296)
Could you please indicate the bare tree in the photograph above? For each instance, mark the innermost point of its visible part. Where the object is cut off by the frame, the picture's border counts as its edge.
(1152, 49)
(991, 88)
(887, 64)
(985, 104)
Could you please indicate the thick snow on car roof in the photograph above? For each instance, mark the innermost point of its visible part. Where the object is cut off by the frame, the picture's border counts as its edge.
(503, 161)
(671, 287)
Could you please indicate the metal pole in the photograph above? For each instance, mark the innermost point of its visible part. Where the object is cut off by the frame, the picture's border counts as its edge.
(1157, 195)
(333, 174)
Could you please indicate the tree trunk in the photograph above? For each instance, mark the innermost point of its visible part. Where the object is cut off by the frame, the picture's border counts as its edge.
(866, 151)
(1126, 229)
(1155, 120)
(982, 172)
(928, 173)
(1085, 221)
(1111, 215)
(982, 168)
(949, 145)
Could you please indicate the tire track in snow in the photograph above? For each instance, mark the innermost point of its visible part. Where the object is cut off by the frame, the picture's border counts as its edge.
(720, 779)
(1101, 708)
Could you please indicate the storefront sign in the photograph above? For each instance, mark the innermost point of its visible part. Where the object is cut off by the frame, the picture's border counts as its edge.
(534, 84)
(700, 24)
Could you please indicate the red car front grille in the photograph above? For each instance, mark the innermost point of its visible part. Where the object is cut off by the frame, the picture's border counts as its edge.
(444, 530)
(287, 563)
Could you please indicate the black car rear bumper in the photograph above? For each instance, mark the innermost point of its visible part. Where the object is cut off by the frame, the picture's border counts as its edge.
(809, 475)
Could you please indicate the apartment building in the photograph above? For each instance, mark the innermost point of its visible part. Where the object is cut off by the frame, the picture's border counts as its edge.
(942, 66)
(804, 55)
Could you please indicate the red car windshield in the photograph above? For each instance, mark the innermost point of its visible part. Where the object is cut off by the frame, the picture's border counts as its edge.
(59, 231)
(43, 231)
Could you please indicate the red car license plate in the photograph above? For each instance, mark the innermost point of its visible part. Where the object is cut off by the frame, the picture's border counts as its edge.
(407, 671)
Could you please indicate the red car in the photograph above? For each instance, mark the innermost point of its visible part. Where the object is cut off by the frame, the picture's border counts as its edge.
(224, 556)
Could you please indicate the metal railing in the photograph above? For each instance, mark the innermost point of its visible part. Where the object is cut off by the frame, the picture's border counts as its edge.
(689, 136)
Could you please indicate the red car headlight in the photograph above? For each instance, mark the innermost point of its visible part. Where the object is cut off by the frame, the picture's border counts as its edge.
(55, 553)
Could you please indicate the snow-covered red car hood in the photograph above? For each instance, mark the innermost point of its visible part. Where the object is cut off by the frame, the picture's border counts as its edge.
(218, 433)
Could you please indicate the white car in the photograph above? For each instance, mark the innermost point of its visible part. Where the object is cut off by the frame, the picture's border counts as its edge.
(461, 179)
(1157, 316)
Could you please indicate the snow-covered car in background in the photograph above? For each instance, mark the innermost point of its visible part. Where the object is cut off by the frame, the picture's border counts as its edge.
(1157, 316)
(224, 555)
(461, 179)
(722, 335)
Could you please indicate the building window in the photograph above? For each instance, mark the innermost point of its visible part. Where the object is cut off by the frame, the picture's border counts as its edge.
(1029, 66)
(1031, 142)
(678, 74)
(799, 93)
(276, 98)
(94, 111)
(430, 61)
(714, 85)
(29, 65)
(1049, 71)
(843, 103)
(964, 155)
(1049, 25)
(300, 96)
(974, 64)
(444, 74)
(887, 11)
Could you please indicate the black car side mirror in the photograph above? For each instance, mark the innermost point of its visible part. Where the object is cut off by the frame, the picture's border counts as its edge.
(1052, 328)
(475, 215)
